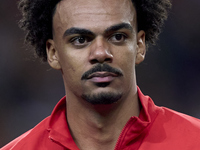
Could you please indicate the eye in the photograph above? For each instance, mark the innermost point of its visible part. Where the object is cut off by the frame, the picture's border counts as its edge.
(118, 38)
(80, 41)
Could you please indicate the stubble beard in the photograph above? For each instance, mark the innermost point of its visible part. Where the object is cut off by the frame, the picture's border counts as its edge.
(103, 98)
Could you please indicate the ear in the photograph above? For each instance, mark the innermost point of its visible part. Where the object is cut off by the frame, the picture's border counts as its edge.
(141, 47)
(52, 55)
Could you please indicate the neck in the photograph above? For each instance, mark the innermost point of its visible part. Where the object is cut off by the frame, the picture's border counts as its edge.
(99, 126)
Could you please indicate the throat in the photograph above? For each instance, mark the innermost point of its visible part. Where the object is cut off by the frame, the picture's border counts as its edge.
(97, 134)
(99, 126)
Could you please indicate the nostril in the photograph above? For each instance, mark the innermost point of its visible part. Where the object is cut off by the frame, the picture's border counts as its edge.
(94, 61)
(108, 60)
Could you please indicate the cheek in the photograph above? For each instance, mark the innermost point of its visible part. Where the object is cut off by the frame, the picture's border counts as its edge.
(72, 64)
(70, 68)
(127, 56)
(126, 60)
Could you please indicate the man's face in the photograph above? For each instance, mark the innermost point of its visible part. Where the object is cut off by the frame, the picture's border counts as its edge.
(95, 44)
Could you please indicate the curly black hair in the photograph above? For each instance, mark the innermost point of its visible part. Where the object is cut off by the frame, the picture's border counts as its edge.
(37, 20)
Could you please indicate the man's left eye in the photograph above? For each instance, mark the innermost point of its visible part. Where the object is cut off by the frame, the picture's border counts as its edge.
(118, 38)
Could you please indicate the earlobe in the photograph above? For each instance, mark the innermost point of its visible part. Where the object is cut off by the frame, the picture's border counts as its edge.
(141, 47)
(52, 56)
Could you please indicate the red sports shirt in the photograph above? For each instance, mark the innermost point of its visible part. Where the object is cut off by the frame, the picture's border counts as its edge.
(156, 128)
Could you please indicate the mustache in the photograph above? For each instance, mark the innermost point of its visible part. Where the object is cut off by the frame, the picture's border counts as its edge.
(101, 68)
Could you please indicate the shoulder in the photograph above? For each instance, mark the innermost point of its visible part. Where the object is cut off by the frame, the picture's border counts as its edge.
(15, 141)
(176, 128)
(172, 130)
(176, 123)
(29, 136)
(174, 117)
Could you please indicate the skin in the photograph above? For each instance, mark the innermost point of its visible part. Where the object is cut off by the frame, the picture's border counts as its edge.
(97, 126)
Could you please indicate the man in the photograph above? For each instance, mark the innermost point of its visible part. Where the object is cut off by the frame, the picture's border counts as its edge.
(96, 44)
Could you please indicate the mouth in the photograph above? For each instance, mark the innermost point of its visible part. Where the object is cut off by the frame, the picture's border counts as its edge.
(102, 77)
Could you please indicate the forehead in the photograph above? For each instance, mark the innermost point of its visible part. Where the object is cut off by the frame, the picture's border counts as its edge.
(93, 13)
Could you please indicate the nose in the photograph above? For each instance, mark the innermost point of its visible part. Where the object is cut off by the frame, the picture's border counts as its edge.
(100, 51)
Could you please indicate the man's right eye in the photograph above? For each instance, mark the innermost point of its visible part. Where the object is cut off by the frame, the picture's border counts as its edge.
(80, 41)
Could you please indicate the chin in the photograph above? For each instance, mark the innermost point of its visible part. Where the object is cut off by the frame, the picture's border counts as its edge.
(103, 97)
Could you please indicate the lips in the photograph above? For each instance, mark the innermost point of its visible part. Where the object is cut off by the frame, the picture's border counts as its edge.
(100, 77)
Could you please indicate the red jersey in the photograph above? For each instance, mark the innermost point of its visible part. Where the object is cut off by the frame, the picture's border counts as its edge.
(156, 128)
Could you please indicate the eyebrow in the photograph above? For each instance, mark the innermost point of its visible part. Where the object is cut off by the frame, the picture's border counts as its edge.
(75, 30)
(118, 27)
(81, 31)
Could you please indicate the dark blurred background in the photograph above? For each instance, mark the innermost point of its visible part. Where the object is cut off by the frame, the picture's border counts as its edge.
(30, 89)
